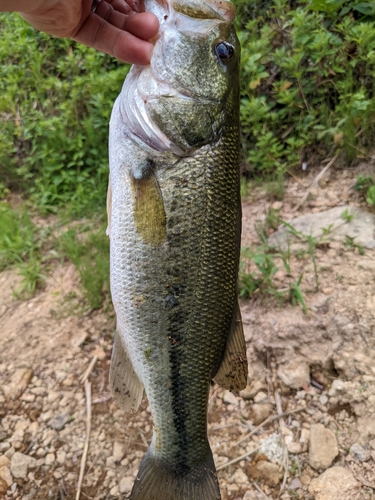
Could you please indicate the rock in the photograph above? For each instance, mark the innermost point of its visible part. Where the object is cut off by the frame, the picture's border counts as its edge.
(265, 471)
(61, 456)
(335, 483)
(38, 391)
(361, 227)
(252, 390)
(336, 388)
(323, 447)
(230, 398)
(3, 435)
(295, 484)
(79, 338)
(28, 398)
(59, 422)
(261, 396)
(259, 412)
(126, 484)
(360, 453)
(99, 353)
(253, 495)
(4, 461)
(5, 475)
(295, 374)
(50, 459)
(366, 429)
(20, 463)
(53, 396)
(3, 488)
(4, 446)
(118, 451)
(239, 477)
(18, 383)
(277, 205)
(294, 447)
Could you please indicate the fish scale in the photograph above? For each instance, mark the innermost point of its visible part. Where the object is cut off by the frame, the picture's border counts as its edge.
(174, 226)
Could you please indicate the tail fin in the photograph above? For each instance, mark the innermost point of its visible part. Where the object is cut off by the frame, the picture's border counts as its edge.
(155, 481)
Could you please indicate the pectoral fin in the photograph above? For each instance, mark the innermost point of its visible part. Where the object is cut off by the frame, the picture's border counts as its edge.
(149, 213)
(125, 385)
(232, 373)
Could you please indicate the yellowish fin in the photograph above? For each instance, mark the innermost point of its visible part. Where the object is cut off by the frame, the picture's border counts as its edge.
(149, 213)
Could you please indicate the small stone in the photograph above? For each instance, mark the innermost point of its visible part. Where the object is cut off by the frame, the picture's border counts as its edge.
(114, 491)
(6, 475)
(295, 484)
(239, 477)
(253, 495)
(79, 338)
(61, 456)
(126, 484)
(230, 398)
(59, 422)
(336, 388)
(41, 452)
(277, 205)
(118, 451)
(3, 435)
(259, 412)
(18, 383)
(294, 447)
(50, 459)
(252, 390)
(366, 429)
(360, 453)
(44, 417)
(261, 396)
(335, 483)
(39, 391)
(323, 447)
(4, 446)
(3, 488)
(266, 472)
(99, 353)
(323, 399)
(295, 374)
(53, 396)
(4, 461)
(20, 463)
(28, 398)
(305, 479)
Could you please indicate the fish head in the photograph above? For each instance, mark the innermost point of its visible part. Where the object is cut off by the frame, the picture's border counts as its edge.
(189, 93)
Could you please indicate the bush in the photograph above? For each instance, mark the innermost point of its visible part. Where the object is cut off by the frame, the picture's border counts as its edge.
(307, 79)
(55, 102)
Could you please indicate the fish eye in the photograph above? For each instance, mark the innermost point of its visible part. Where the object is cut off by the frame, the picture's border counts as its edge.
(224, 51)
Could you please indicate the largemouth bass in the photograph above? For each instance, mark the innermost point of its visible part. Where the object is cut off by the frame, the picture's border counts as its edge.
(174, 224)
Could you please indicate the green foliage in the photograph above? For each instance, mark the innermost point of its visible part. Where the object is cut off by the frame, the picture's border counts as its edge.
(307, 81)
(366, 186)
(55, 102)
(89, 253)
(19, 238)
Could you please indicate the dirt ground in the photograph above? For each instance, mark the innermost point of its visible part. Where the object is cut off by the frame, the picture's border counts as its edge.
(303, 429)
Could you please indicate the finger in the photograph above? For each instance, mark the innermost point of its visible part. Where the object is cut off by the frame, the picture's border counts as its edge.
(144, 25)
(121, 6)
(99, 34)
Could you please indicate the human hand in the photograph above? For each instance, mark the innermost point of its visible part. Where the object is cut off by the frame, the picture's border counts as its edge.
(111, 26)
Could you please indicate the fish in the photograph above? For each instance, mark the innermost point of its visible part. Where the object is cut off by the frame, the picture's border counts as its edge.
(174, 221)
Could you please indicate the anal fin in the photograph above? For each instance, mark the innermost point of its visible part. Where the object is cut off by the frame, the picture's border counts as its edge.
(125, 385)
(233, 371)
